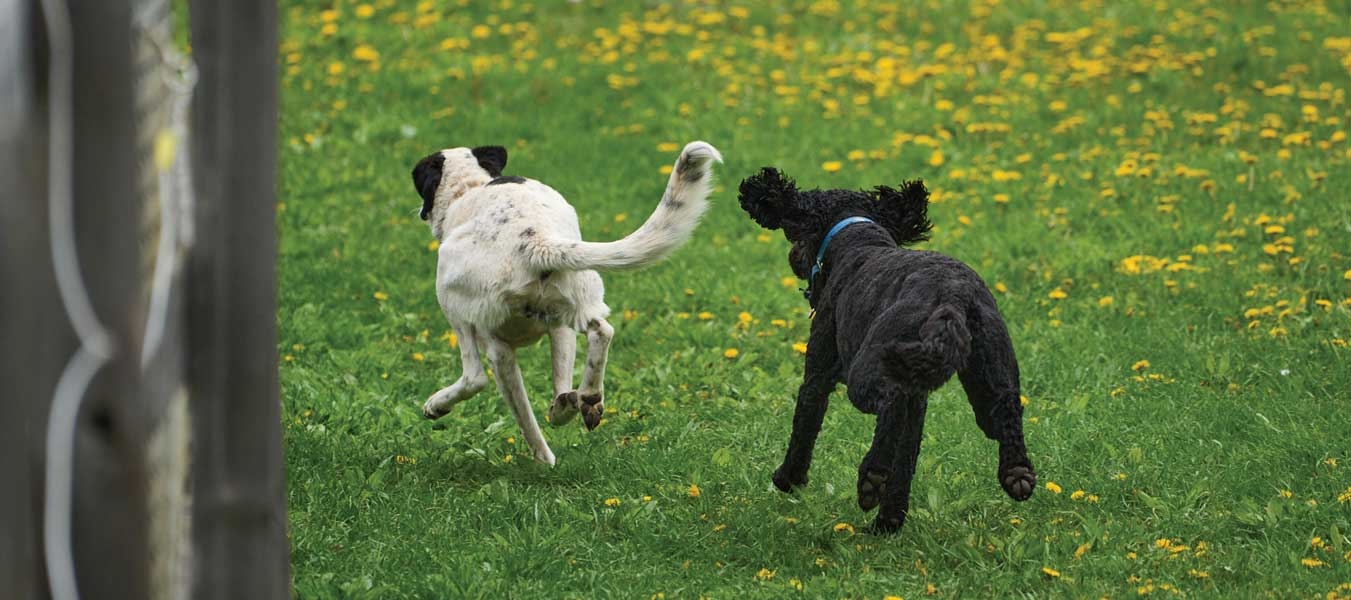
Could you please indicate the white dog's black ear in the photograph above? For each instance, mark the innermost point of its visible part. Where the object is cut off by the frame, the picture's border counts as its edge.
(427, 178)
(491, 158)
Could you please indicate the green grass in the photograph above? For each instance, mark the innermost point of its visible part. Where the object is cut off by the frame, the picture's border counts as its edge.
(1209, 472)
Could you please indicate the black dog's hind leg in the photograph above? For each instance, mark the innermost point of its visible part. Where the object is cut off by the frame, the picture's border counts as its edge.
(813, 396)
(992, 387)
(889, 468)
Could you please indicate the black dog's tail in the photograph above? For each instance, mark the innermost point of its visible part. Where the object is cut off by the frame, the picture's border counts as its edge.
(943, 346)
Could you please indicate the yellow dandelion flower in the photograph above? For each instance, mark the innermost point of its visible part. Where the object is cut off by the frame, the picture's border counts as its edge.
(336, 68)
(832, 166)
(730, 353)
(792, 281)
(1053, 487)
(1140, 365)
(1001, 288)
(381, 296)
(705, 316)
(844, 526)
(800, 347)
(1057, 294)
(612, 502)
(366, 53)
(1077, 495)
(1105, 301)
(744, 317)
(1312, 562)
(1049, 572)
(694, 491)
(417, 356)
(764, 575)
(365, 11)
(936, 159)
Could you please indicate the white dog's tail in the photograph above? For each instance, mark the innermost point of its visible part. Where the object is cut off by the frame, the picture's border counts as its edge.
(685, 200)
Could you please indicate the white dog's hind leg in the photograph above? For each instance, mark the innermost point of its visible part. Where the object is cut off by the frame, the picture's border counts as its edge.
(592, 393)
(471, 382)
(563, 346)
(509, 382)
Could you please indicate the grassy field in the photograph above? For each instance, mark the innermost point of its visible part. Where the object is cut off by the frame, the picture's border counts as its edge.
(1156, 191)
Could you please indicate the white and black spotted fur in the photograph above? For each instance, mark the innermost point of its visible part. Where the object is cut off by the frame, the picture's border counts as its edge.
(512, 266)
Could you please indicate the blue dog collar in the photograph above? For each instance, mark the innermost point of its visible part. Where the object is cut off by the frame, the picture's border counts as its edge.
(821, 254)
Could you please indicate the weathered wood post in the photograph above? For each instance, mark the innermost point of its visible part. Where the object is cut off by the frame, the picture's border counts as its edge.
(27, 371)
(239, 523)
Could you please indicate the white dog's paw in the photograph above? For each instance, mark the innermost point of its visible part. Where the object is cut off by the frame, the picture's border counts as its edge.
(545, 456)
(563, 408)
(436, 406)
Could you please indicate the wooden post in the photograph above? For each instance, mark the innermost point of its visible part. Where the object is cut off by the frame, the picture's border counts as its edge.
(110, 511)
(108, 506)
(239, 499)
(31, 339)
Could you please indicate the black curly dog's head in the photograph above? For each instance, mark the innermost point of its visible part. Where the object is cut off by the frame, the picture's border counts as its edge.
(774, 202)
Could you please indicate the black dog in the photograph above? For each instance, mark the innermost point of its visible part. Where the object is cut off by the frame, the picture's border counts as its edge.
(892, 324)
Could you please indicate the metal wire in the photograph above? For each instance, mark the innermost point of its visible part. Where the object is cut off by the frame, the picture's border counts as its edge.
(96, 343)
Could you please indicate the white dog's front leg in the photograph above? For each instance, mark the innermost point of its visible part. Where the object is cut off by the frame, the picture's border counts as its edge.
(509, 382)
(563, 346)
(592, 393)
(471, 382)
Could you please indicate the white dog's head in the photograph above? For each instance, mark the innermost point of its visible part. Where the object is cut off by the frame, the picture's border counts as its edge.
(443, 176)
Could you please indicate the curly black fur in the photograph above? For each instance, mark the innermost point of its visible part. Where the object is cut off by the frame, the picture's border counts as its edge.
(893, 324)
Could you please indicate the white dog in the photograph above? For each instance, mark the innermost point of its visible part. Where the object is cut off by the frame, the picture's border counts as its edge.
(512, 266)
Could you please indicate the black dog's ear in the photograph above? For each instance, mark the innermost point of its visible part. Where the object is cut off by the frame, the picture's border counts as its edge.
(492, 158)
(904, 212)
(767, 196)
(426, 178)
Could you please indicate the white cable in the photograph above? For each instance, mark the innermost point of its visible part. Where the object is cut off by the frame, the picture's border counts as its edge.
(174, 189)
(96, 344)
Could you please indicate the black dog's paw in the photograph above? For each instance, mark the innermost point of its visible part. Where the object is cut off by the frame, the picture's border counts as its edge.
(872, 486)
(886, 524)
(1018, 481)
(786, 480)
